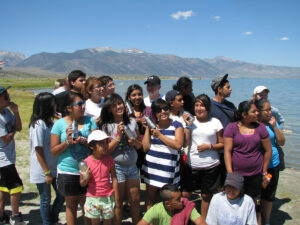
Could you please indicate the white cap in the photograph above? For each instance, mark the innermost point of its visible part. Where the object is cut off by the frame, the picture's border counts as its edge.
(97, 135)
(260, 89)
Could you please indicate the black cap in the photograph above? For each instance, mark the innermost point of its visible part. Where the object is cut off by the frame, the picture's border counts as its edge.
(171, 95)
(2, 89)
(153, 80)
(217, 81)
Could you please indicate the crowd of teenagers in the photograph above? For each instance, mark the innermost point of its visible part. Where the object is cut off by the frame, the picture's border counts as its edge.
(95, 148)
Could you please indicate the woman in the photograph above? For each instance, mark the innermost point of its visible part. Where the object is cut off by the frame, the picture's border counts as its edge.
(203, 162)
(42, 163)
(134, 96)
(185, 86)
(70, 151)
(161, 165)
(94, 93)
(277, 138)
(232, 206)
(114, 121)
(244, 141)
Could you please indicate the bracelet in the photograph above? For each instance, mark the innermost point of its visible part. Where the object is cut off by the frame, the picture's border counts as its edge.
(265, 174)
(47, 173)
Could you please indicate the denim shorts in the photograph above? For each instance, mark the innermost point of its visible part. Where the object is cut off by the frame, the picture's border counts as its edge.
(96, 207)
(124, 173)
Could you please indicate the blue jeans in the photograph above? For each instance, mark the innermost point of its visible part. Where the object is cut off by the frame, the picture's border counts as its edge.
(49, 215)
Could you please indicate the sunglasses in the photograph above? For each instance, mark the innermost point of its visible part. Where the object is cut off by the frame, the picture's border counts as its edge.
(165, 108)
(80, 103)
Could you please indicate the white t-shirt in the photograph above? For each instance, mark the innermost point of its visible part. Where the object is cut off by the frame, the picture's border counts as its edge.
(204, 133)
(7, 151)
(93, 109)
(40, 137)
(58, 90)
(148, 102)
(223, 211)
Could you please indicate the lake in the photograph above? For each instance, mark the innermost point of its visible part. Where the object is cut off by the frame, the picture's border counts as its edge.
(283, 95)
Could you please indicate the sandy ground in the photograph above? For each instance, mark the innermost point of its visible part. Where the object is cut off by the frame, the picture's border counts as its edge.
(286, 209)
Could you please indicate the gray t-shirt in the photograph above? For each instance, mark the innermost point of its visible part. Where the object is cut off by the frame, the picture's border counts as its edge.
(124, 154)
(39, 136)
(7, 151)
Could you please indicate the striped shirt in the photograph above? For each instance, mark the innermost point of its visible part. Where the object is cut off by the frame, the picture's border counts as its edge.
(161, 165)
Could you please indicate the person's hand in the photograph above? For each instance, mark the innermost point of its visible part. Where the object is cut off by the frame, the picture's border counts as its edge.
(203, 147)
(272, 121)
(155, 133)
(83, 140)
(69, 132)
(49, 179)
(85, 174)
(133, 142)
(185, 117)
(120, 129)
(14, 107)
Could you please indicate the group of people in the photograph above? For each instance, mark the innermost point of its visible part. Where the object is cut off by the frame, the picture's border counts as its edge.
(95, 148)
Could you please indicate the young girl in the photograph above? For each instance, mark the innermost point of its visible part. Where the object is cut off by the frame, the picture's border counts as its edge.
(101, 195)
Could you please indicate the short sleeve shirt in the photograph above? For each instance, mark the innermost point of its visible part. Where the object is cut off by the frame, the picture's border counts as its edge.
(7, 151)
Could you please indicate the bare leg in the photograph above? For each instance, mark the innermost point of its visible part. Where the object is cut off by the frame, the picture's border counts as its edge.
(107, 222)
(205, 204)
(133, 196)
(81, 199)
(95, 221)
(15, 201)
(119, 211)
(258, 216)
(151, 196)
(71, 209)
(3, 197)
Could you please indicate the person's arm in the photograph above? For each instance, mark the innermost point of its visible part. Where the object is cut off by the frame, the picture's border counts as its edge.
(218, 146)
(115, 141)
(175, 144)
(115, 186)
(85, 177)
(8, 137)
(146, 142)
(280, 139)
(266, 143)
(41, 159)
(200, 221)
(18, 123)
(228, 146)
(135, 142)
(187, 130)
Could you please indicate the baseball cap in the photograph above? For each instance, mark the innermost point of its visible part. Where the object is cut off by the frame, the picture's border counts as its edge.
(260, 89)
(171, 95)
(217, 81)
(2, 89)
(235, 180)
(97, 135)
(153, 80)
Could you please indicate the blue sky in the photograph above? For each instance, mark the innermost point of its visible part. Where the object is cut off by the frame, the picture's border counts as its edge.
(257, 31)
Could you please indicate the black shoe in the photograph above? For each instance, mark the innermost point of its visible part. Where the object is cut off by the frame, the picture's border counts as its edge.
(17, 219)
(4, 219)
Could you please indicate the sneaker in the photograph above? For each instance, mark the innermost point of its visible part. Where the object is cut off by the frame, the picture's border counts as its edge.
(17, 219)
(4, 219)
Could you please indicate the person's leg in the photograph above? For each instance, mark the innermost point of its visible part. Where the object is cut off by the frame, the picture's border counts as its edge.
(119, 210)
(15, 201)
(3, 197)
(151, 195)
(57, 204)
(107, 222)
(71, 209)
(81, 199)
(95, 221)
(133, 196)
(205, 200)
(45, 200)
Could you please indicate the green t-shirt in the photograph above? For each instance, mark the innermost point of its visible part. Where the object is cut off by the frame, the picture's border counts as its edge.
(158, 215)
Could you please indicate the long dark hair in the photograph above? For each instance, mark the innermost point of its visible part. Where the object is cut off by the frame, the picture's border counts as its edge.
(132, 88)
(106, 114)
(157, 105)
(244, 107)
(182, 83)
(43, 109)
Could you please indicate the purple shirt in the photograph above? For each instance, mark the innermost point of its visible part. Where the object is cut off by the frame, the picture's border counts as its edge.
(247, 157)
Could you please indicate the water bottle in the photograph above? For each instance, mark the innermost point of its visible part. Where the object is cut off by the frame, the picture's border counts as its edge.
(74, 126)
(191, 118)
(149, 122)
(130, 110)
(82, 166)
(267, 181)
(128, 132)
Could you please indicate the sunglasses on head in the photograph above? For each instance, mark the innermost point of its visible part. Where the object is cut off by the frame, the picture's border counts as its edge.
(80, 103)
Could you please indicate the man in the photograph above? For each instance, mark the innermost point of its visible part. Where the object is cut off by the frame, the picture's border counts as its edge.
(108, 84)
(10, 182)
(153, 87)
(76, 81)
(263, 92)
(172, 210)
(61, 85)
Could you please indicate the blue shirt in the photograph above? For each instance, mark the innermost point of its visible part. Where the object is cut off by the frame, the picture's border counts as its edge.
(275, 155)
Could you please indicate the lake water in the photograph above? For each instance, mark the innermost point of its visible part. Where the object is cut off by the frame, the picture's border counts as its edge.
(283, 95)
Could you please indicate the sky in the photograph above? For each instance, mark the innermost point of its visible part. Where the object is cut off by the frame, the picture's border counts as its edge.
(256, 31)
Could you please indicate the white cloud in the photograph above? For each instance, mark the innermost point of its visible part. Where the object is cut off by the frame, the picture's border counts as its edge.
(185, 15)
(217, 18)
(247, 33)
(284, 39)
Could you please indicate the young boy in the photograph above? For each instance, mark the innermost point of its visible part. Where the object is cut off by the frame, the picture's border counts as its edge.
(102, 195)
(10, 182)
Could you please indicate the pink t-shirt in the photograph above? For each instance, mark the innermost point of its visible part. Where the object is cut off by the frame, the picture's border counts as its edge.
(99, 184)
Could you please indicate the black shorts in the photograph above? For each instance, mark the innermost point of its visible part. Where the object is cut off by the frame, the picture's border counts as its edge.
(252, 186)
(268, 194)
(10, 180)
(206, 180)
(69, 185)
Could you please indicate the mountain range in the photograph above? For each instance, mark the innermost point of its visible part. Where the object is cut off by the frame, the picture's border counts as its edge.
(135, 62)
